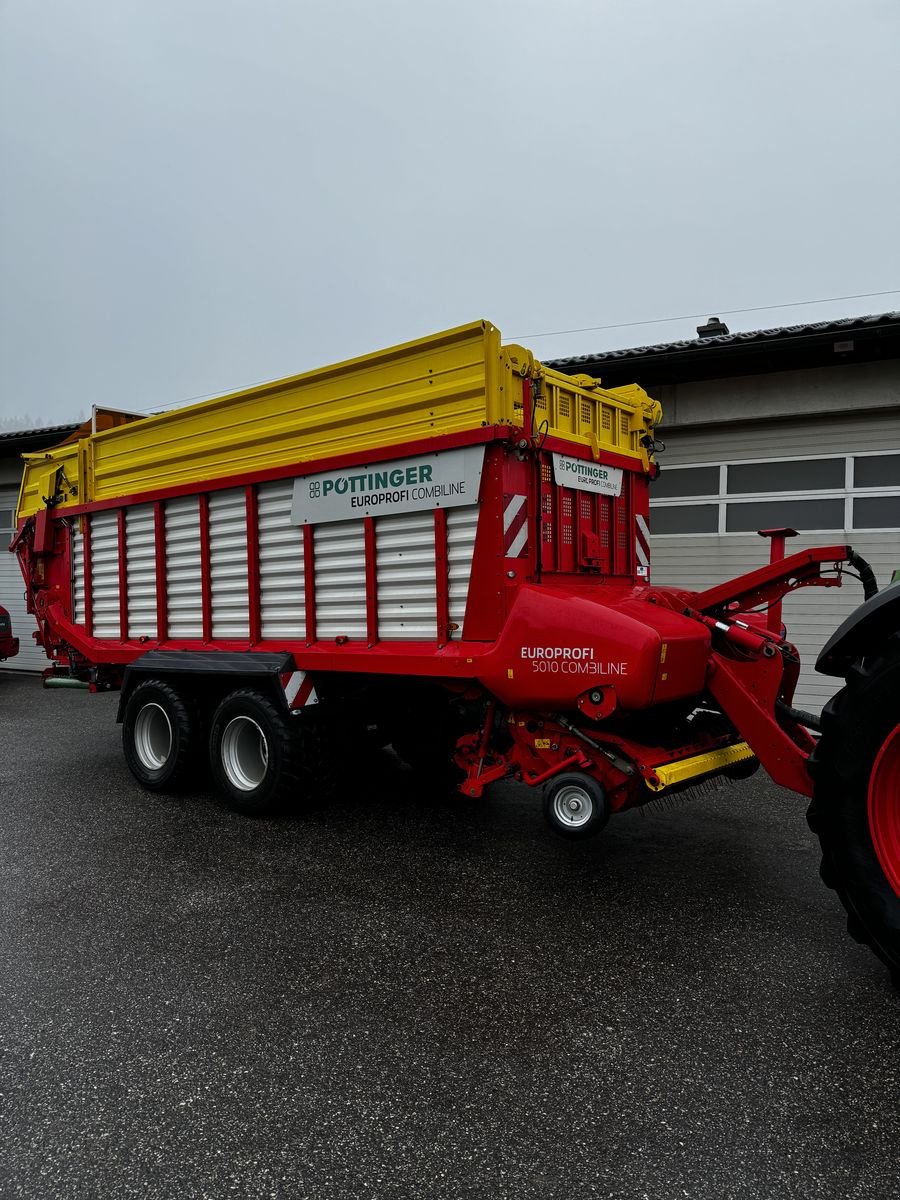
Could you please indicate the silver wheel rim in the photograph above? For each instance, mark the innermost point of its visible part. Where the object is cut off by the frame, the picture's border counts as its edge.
(153, 737)
(572, 806)
(245, 753)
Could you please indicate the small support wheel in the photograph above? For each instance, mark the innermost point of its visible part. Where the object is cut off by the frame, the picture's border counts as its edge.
(575, 805)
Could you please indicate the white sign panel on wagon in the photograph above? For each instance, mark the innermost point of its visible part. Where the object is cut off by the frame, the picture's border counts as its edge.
(446, 479)
(585, 475)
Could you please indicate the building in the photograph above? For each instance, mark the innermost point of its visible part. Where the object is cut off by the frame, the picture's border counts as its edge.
(795, 427)
(12, 594)
(798, 426)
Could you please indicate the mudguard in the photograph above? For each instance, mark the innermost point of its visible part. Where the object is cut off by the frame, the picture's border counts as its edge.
(864, 630)
(237, 667)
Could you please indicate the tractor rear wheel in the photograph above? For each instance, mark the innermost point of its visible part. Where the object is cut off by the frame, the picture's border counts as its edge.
(856, 806)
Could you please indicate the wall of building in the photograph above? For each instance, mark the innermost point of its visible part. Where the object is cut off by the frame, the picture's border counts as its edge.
(846, 387)
(699, 560)
(10, 470)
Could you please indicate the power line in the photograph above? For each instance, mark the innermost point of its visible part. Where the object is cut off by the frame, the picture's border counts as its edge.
(153, 408)
(726, 312)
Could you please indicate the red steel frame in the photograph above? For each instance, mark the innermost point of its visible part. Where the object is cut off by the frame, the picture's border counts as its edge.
(159, 539)
(253, 585)
(205, 575)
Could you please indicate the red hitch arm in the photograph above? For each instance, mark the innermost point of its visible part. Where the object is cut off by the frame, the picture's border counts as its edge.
(769, 584)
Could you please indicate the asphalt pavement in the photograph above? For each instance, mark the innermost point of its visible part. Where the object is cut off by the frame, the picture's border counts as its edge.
(407, 995)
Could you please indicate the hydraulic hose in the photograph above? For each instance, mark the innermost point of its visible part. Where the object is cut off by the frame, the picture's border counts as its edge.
(865, 572)
(798, 716)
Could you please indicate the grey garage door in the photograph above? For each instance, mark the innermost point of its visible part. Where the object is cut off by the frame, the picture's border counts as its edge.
(12, 593)
(835, 481)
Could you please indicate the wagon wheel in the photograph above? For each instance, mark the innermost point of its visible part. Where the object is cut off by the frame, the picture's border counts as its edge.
(161, 736)
(264, 760)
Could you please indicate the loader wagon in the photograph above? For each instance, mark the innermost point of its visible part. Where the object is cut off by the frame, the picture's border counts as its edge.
(444, 547)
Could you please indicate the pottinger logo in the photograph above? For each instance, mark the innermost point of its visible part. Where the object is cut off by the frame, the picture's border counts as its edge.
(584, 470)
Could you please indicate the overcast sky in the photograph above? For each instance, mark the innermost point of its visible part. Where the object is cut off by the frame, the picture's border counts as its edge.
(201, 194)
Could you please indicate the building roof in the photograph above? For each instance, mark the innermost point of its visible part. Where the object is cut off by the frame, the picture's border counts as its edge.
(17, 441)
(45, 429)
(749, 352)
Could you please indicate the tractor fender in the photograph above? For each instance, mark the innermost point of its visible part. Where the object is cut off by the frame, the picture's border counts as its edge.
(866, 629)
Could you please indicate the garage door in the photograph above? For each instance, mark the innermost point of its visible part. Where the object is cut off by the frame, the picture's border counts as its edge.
(12, 593)
(838, 489)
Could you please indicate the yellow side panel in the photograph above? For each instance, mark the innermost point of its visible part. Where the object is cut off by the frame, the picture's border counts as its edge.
(614, 420)
(423, 389)
(52, 473)
(450, 382)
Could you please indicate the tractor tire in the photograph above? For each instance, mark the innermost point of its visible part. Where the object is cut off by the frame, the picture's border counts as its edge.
(855, 810)
(264, 761)
(160, 737)
(575, 805)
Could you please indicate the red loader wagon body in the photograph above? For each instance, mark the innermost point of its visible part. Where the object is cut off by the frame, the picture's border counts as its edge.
(443, 546)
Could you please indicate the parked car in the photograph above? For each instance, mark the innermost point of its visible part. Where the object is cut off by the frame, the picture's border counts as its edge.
(9, 645)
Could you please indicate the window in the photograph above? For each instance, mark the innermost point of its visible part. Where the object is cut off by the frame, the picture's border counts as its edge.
(684, 518)
(770, 514)
(876, 470)
(876, 512)
(786, 475)
(838, 492)
(691, 481)
(7, 518)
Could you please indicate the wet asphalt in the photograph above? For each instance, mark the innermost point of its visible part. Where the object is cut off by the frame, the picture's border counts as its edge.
(405, 995)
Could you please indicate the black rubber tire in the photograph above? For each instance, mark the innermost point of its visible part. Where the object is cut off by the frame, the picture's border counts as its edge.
(295, 769)
(594, 795)
(180, 768)
(855, 724)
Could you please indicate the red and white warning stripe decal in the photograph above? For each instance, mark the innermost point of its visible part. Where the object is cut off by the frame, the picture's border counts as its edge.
(515, 526)
(642, 546)
(299, 689)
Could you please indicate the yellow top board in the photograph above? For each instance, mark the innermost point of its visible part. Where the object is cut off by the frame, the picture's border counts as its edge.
(451, 382)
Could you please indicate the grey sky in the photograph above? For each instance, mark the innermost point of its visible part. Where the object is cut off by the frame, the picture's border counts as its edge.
(200, 194)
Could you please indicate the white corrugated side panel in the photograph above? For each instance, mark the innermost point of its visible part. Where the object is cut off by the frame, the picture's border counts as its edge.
(230, 594)
(407, 577)
(340, 559)
(105, 574)
(140, 564)
(281, 582)
(77, 572)
(462, 526)
(183, 585)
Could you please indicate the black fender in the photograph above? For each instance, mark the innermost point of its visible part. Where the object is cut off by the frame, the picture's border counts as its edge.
(200, 671)
(864, 630)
